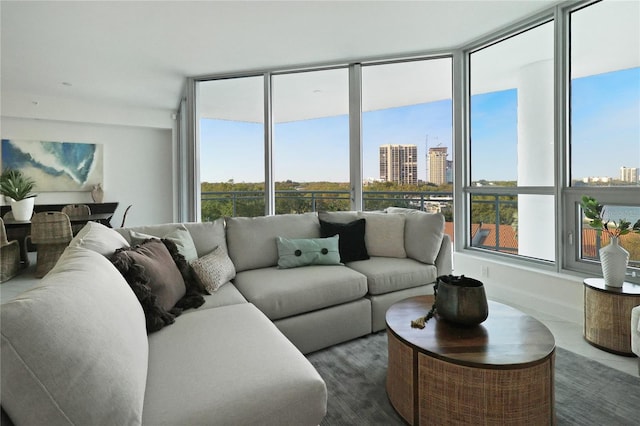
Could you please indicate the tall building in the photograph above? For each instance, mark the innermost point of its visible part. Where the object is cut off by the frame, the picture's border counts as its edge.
(629, 174)
(399, 164)
(437, 160)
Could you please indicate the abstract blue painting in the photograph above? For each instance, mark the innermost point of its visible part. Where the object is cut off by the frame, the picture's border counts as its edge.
(55, 166)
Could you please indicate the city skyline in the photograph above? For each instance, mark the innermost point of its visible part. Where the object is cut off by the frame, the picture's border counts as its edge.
(605, 109)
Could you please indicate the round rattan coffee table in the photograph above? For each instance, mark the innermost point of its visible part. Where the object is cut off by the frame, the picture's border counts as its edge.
(499, 372)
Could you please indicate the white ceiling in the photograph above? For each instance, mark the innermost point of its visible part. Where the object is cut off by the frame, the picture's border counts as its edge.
(136, 54)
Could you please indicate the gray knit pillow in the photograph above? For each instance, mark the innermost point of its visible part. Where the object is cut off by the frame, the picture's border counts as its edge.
(214, 269)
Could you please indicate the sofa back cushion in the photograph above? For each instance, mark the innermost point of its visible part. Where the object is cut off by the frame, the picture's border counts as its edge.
(74, 349)
(206, 236)
(423, 234)
(251, 241)
(179, 236)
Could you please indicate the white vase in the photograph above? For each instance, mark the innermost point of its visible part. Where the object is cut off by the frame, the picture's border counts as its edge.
(614, 260)
(23, 209)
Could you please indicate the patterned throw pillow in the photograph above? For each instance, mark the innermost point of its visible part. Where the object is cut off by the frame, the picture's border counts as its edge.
(214, 269)
(307, 251)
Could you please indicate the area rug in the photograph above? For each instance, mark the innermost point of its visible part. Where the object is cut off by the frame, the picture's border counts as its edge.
(587, 392)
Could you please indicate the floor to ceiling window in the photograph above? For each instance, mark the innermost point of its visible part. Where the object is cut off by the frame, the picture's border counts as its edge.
(537, 132)
(604, 140)
(311, 140)
(231, 133)
(407, 130)
(512, 170)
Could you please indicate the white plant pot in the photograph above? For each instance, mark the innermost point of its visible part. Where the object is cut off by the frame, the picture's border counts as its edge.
(614, 260)
(23, 209)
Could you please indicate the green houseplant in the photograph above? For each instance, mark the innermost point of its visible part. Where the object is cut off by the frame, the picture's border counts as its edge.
(613, 257)
(595, 212)
(18, 187)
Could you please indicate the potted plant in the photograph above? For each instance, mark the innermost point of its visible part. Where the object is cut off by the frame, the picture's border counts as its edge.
(18, 187)
(613, 257)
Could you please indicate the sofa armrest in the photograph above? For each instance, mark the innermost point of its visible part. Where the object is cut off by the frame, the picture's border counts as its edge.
(444, 260)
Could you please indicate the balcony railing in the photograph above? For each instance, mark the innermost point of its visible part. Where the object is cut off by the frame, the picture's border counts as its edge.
(494, 224)
(251, 203)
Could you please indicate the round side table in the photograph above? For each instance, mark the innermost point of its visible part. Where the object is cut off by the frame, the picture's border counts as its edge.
(607, 315)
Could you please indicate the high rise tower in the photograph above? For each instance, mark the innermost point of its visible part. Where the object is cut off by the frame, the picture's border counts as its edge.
(399, 164)
(629, 174)
(438, 165)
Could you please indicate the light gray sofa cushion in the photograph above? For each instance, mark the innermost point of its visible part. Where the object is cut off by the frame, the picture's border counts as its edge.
(338, 217)
(179, 236)
(239, 369)
(386, 274)
(281, 293)
(384, 234)
(206, 236)
(423, 234)
(226, 295)
(74, 348)
(252, 240)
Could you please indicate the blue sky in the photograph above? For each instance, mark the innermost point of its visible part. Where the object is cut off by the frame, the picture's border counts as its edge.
(605, 114)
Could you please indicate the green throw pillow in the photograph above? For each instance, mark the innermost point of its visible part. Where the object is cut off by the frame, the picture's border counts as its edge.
(310, 251)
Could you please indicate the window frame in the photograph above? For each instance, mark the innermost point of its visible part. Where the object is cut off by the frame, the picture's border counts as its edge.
(566, 198)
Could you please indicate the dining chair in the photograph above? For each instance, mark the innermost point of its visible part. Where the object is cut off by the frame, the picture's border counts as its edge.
(76, 210)
(51, 233)
(9, 255)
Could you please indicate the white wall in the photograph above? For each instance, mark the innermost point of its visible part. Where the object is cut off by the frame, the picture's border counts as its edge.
(551, 293)
(138, 165)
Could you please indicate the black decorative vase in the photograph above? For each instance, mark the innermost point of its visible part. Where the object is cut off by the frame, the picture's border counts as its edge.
(461, 300)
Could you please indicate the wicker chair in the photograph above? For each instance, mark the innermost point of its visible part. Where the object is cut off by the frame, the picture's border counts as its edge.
(9, 256)
(51, 233)
(76, 210)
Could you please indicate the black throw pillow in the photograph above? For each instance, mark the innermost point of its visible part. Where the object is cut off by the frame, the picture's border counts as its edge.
(351, 239)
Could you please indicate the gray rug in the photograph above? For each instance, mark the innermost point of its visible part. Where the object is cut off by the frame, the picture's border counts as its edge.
(587, 392)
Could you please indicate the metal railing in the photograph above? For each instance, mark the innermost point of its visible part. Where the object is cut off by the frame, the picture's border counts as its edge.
(251, 203)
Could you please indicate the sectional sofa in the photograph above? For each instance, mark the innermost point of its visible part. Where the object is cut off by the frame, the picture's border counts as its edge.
(75, 349)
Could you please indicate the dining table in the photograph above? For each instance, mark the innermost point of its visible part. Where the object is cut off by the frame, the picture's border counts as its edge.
(20, 229)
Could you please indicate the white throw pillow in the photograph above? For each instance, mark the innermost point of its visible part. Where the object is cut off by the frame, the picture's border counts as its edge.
(74, 349)
(424, 233)
(99, 238)
(384, 234)
(214, 269)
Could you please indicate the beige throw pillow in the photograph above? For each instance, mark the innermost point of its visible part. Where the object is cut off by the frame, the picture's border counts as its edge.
(214, 269)
(424, 232)
(384, 234)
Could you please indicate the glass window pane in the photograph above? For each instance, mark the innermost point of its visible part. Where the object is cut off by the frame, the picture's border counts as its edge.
(514, 224)
(407, 132)
(605, 94)
(231, 122)
(512, 104)
(311, 141)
